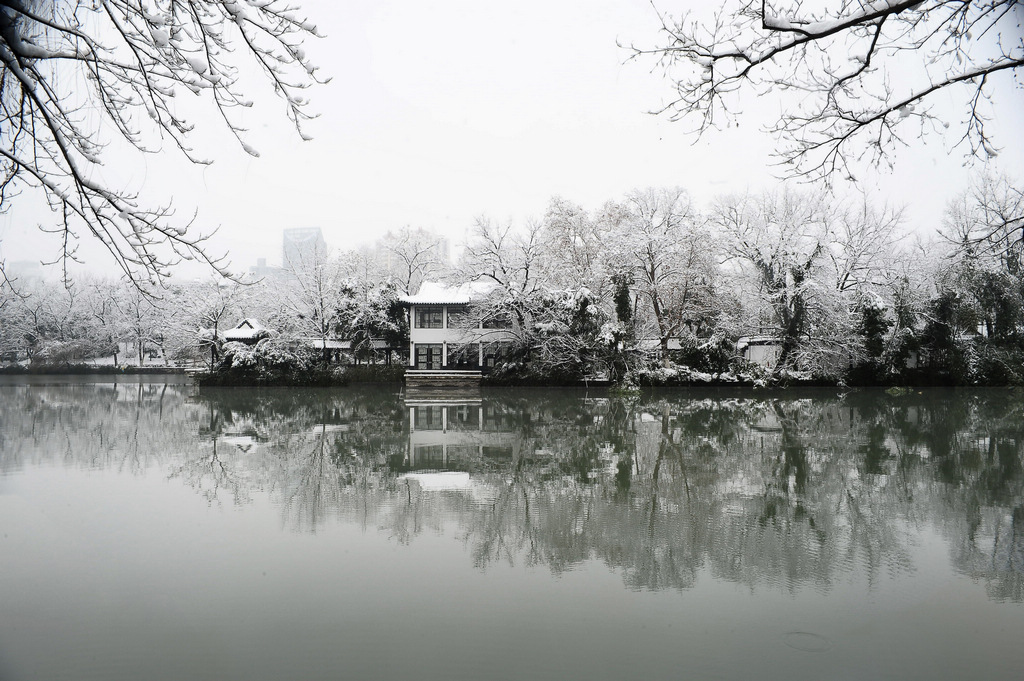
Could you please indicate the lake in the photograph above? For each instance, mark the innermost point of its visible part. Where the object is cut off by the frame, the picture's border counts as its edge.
(151, 530)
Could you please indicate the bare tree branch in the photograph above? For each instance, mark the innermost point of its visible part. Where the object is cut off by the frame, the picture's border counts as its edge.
(865, 70)
(136, 58)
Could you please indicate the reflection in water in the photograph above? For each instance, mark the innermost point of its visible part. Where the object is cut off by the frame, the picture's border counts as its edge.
(786, 490)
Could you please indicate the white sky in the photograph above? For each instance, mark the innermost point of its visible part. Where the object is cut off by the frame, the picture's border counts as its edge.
(441, 111)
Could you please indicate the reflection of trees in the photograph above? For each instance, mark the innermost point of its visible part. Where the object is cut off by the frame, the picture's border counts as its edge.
(317, 452)
(978, 488)
(128, 426)
(785, 490)
(993, 550)
(209, 472)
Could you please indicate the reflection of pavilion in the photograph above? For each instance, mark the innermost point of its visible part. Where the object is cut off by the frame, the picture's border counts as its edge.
(248, 438)
(457, 435)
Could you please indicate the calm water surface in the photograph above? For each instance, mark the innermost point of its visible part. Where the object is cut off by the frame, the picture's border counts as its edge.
(154, 531)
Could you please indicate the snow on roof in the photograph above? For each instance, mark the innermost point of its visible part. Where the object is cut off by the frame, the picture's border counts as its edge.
(336, 344)
(452, 481)
(440, 481)
(747, 341)
(247, 329)
(674, 343)
(436, 293)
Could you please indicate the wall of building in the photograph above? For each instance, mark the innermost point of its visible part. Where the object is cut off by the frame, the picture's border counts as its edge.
(447, 335)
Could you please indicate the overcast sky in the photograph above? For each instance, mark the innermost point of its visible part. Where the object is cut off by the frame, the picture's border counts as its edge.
(438, 112)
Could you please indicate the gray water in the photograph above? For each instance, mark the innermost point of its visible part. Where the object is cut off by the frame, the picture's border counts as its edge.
(155, 531)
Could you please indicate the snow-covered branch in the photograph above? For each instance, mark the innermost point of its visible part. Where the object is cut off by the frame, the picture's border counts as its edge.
(867, 72)
(136, 60)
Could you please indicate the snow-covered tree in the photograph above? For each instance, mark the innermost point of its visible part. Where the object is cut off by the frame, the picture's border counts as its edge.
(513, 259)
(566, 339)
(368, 266)
(865, 249)
(974, 323)
(140, 320)
(101, 315)
(414, 256)
(46, 322)
(663, 244)
(987, 220)
(572, 240)
(312, 299)
(372, 313)
(205, 310)
(786, 245)
(9, 344)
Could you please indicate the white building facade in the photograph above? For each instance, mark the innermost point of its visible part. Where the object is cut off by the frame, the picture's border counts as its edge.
(446, 332)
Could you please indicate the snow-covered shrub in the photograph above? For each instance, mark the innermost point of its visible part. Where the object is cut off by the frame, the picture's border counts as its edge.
(271, 362)
(62, 352)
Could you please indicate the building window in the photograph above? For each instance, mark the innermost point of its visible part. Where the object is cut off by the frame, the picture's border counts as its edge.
(498, 321)
(428, 456)
(428, 418)
(495, 354)
(459, 317)
(461, 457)
(429, 318)
(506, 453)
(463, 417)
(428, 355)
(464, 356)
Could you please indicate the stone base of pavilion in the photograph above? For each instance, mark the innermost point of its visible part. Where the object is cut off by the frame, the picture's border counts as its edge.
(441, 379)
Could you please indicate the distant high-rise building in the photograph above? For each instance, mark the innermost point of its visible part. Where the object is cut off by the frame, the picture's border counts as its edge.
(25, 270)
(261, 270)
(302, 245)
(444, 250)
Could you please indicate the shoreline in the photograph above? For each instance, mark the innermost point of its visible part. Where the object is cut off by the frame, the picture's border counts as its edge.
(204, 378)
(89, 370)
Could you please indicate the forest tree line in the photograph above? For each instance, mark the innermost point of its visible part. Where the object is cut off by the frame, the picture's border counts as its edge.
(647, 289)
